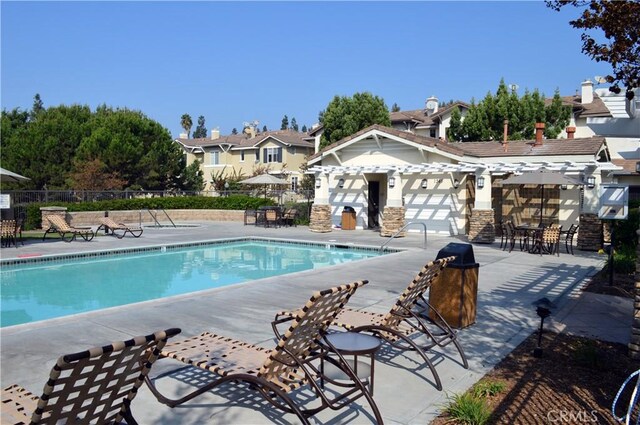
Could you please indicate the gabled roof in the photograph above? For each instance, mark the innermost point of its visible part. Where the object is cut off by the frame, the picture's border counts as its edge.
(241, 141)
(420, 117)
(597, 108)
(550, 147)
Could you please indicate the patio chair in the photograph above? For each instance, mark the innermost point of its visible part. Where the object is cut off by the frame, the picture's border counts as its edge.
(281, 375)
(289, 217)
(68, 233)
(250, 216)
(568, 237)
(407, 321)
(547, 240)
(8, 233)
(272, 217)
(509, 232)
(93, 386)
(107, 224)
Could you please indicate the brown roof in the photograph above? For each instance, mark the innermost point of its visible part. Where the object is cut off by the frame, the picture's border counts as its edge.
(550, 147)
(597, 108)
(288, 137)
(628, 165)
(420, 117)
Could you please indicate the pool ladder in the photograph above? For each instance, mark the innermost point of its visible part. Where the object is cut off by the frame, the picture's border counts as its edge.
(424, 244)
(154, 215)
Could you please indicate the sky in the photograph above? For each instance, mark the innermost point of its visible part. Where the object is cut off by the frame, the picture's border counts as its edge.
(234, 62)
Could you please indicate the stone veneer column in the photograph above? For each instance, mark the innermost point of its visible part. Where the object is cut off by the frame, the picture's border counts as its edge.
(392, 221)
(44, 211)
(320, 220)
(634, 344)
(481, 226)
(590, 233)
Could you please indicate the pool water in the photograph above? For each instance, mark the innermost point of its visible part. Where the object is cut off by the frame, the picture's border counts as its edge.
(40, 291)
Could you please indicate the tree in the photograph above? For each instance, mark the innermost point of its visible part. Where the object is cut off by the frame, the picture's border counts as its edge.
(38, 106)
(485, 120)
(193, 177)
(294, 124)
(234, 131)
(454, 131)
(285, 123)
(201, 129)
(93, 175)
(264, 129)
(304, 128)
(186, 123)
(620, 23)
(345, 116)
(395, 108)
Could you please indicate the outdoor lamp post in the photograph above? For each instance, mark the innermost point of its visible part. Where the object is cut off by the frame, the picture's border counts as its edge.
(544, 307)
(226, 188)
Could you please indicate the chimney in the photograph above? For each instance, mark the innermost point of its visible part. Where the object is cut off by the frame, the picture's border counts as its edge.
(587, 92)
(539, 133)
(571, 131)
(505, 138)
(431, 105)
(215, 133)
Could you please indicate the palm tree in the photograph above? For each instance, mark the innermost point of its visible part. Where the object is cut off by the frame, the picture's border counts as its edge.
(186, 123)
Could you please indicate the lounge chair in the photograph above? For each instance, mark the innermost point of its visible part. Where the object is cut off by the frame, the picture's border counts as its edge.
(58, 225)
(281, 375)
(407, 319)
(107, 224)
(289, 217)
(92, 386)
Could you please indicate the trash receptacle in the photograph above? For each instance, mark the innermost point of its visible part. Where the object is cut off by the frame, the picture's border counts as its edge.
(348, 219)
(454, 293)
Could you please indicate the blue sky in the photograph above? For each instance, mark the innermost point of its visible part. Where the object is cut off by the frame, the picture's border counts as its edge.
(244, 61)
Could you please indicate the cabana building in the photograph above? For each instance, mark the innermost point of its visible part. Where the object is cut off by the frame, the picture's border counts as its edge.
(396, 180)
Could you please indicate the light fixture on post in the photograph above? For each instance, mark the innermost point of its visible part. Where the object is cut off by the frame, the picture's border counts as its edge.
(480, 182)
(341, 183)
(456, 183)
(317, 183)
(392, 182)
(423, 183)
(591, 182)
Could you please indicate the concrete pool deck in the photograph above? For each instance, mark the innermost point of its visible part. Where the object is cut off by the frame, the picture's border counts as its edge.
(508, 284)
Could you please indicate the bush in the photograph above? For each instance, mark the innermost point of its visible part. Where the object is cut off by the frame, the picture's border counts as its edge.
(232, 202)
(468, 409)
(625, 230)
(488, 388)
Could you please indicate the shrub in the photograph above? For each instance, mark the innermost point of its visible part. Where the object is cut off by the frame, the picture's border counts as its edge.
(232, 202)
(625, 230)
(468, 409)
(488, 388)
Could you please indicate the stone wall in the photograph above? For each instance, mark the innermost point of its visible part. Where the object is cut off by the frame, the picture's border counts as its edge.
(45, 211)
(482, 226)
(590, 234)
(320, 220)
(392, 221)
(91, 218)
(634, 344)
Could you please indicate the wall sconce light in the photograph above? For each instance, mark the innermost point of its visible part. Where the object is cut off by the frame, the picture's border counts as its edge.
(341, 183)
(591, 182)
(317, 183)
(392, 181)
(563, 186)
(638, 167)
(423, 183)
(456, 183)
(480, 182)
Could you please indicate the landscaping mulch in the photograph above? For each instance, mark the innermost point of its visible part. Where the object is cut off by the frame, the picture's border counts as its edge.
(575, 381)
(623, 284)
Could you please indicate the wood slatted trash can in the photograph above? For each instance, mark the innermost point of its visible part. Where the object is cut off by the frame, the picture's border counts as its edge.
(454, 292)
(348, 219)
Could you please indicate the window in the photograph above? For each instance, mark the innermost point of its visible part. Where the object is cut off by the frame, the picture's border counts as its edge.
(241, 156)
(432, 133)
(214, 157)
(272, 155)
(294, 183)
(257, 155)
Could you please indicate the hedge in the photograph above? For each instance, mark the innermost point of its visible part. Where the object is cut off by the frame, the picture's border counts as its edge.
(232, 202)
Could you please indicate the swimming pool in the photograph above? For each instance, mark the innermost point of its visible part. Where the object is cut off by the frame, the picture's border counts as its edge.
(47, 288)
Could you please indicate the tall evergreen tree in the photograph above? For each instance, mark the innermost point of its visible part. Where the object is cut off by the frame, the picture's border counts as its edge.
(264, 129)
(234, 131)
(395, 107)
(38, 106)
(186, 123)
(454, 131)
(285, 123)
(201, 129)
(294, 124)
(304, 128)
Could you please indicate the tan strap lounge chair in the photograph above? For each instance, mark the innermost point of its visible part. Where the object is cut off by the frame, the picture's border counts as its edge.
(107, 224)
(95, 386)
(68, 233)
(407, 319)
(282, 375)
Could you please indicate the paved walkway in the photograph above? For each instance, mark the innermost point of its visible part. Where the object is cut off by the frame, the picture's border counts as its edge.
(508, 284)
